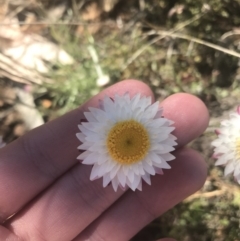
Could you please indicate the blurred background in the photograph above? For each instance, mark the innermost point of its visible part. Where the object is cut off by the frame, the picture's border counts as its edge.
(56, 54)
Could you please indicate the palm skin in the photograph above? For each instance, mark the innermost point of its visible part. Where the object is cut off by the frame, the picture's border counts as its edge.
(49, 193)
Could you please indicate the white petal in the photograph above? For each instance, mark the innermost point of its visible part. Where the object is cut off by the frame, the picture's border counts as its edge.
(238, 179)
(170, 142)
(156, 138)
(101, 171)
(164, 149)
(236, 170)
(114, 171)
(84, 146)
(145, 102)
(115, 184)
(148, 168)
(97, 146)
(136, 114)
(121, 178)
(98, 114)
(125, 170)
(151, 111)
(222, 160)
(146, 178)
(89, 125)
(90, 159)
(216, 142)
(222, 149)
(163, 165)
(84, 130)
(172, 137)
(168, 156)
(130, 176)
(158, 170)
(96, 127)
(106, 180)
(159, 113)
(135, 100)
(108, 105)
(148, 160)
(127, 97)
(101, 158)
(228, 169)
(84, 155)
(154, 157)
(95, 138)
(94, 172)
(109, 165)
(156, 123)
(141, 170)
(136, 182)
(81, 137)
(89, 116)
(139, 187)
(135, 168)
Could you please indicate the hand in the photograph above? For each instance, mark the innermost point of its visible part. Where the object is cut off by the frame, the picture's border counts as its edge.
(49, 193)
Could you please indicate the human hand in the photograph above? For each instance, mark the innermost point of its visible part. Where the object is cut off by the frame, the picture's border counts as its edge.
(51, 197)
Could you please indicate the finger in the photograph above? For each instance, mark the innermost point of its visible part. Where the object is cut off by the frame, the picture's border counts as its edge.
(75, 207)
(190, 115)
(33, 162)
(134, 210)
(65, 209)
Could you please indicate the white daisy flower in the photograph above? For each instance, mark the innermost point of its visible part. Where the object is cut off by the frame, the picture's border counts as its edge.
(126, 140)
(227, 145)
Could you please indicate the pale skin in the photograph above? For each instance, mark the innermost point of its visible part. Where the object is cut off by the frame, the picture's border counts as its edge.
(50, 194)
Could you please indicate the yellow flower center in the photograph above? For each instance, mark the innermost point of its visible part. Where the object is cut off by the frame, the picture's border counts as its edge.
(128, 142)
(237, 148)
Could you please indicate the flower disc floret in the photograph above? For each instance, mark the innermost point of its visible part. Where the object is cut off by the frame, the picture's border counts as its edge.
(126, 140)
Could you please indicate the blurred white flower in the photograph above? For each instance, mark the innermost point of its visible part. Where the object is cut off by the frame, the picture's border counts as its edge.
(227, 145)
(126, 140)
